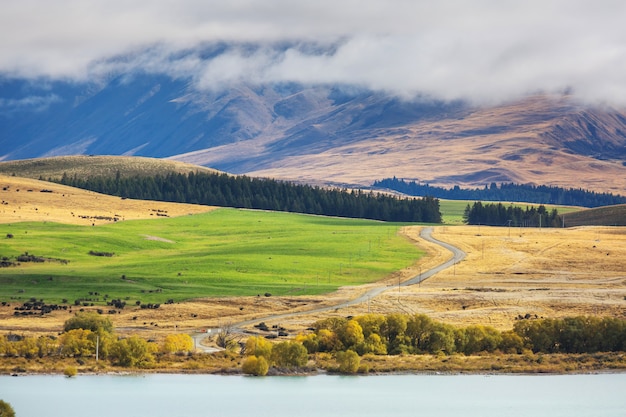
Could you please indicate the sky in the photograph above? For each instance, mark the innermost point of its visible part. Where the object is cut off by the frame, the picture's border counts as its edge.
(482, 51)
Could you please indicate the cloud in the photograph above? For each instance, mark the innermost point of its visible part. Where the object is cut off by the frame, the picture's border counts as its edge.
(29, 103)
(480, 50)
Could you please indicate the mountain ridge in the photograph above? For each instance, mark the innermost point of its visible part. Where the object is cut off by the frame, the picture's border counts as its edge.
(319, 134)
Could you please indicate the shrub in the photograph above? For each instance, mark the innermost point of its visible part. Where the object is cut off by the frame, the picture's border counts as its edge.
(289, 355)
(259, 346)
(89, 321)
(174, 343)
(348, 361)
(133, 352)
(6, 410)
(256, 366)
(70, 371)
(77, 343)
(309, 341)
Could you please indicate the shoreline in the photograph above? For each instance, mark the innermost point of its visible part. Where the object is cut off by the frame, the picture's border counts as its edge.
(230, 365)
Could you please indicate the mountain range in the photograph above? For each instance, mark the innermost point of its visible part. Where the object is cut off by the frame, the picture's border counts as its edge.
(319, 134)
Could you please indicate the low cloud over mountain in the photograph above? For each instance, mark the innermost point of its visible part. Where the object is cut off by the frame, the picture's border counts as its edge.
(483, 51)
(449, 92)
(319, 134)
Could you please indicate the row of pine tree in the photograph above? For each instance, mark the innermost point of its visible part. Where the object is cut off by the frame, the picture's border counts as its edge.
(265, 194)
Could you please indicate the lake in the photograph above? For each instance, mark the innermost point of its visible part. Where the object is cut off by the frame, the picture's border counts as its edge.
(597, 395)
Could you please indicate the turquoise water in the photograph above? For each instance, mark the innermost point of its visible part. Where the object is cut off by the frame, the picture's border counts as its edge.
(601, 395)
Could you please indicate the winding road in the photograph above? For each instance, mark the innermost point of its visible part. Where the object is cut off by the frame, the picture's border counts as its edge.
(426, 234)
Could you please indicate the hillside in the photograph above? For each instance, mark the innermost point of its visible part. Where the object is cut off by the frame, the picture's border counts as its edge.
(601, 216)
(541, 141)
(101, 166)
(29, 200)
(320, 134)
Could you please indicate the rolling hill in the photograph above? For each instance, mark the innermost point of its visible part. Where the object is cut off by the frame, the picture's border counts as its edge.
(319, 134)
(600, 216)
(103, 166)
(31, 200)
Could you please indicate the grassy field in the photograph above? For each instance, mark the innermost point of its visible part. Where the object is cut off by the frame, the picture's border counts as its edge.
(452, 210)
(225, 252)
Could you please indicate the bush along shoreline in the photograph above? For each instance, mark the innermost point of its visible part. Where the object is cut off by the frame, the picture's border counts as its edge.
(368, 344)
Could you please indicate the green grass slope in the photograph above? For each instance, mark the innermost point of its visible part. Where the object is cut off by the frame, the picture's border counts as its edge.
(101, 166)
(226, 252)
(452, 210)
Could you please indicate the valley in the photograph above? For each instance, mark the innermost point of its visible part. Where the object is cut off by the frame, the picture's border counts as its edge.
(508, 272)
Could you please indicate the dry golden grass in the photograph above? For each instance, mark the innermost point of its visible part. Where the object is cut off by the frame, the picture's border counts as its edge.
(513, 272)
(100, 166)
(23, 200)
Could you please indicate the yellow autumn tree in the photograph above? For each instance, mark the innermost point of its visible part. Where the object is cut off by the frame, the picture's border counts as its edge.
(309, 341)
(254, 365)
(77, 342)
(348, 361)
(328, 341)
(260, 347)
(175, 343)
(289, 354)
(351, 334)
(133, 352)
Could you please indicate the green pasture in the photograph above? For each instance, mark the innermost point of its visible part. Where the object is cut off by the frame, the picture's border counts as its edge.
(226, 252)
(452, 210)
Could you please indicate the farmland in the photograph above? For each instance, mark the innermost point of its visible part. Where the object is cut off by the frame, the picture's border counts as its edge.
(222, 262)
(225, 252)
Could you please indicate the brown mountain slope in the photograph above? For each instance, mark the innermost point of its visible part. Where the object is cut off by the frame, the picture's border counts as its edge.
(540, 140)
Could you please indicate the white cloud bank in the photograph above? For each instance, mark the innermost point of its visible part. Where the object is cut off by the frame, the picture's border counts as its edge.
(478, 50)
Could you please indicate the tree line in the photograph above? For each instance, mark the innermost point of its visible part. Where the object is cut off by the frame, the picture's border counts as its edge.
(538, 194)
(396, 334)
(347, 339)
(501, 215)
(87, 334)
(264, 194)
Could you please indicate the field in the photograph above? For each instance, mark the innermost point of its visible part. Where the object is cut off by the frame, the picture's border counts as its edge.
(226, 252)
(508, 272)
(452, 210)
